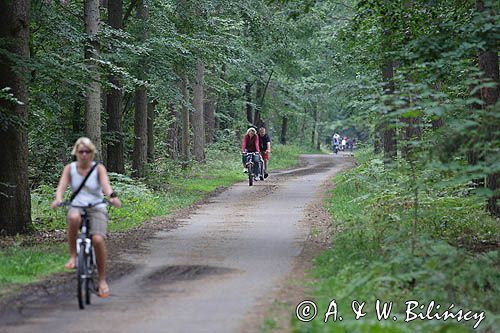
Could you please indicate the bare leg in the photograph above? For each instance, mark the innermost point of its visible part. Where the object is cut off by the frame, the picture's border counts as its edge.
(101, 254)
(74, 220)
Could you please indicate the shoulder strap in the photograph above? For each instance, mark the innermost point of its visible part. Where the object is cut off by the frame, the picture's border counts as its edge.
(74, 194)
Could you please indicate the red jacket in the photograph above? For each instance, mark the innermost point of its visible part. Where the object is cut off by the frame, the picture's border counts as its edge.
(251, 145)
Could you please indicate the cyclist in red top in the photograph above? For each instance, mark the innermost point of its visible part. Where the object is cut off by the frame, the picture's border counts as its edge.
(250, 144)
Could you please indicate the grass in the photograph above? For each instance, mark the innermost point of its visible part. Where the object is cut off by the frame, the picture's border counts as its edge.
(20, 264)
(169, 187)
(372, 256)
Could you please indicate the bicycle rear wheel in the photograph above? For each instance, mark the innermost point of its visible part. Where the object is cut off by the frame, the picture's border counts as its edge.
(80, 276)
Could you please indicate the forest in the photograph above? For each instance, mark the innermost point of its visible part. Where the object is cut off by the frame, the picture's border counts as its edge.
(166, 88)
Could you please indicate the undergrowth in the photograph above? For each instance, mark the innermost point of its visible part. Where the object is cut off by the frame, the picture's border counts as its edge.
(394, 248)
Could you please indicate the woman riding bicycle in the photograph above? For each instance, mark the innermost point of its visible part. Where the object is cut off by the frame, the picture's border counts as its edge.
(96, 185)
(250, 144)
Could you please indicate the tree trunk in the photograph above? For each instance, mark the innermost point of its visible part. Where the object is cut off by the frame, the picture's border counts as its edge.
(488, 64)
(388, 132)
(304, 118)
(150, 130)
(377, 140)
(315, 135)
(93, 91)
(284, 129)
(15, 202)
(198, 118)
(209, 114)
(139, 156)
(411, 132)
(185, 119)
(172, 134)
(259, 94)
(248, 105)
(115, 150)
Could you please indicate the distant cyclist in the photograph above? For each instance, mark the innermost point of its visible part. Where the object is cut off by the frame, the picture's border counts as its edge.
(250, 144)
(335, 143)
(96, 185)
(343, 144)
(265, 148)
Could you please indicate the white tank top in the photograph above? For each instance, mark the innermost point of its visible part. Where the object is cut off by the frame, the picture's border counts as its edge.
(91, 192)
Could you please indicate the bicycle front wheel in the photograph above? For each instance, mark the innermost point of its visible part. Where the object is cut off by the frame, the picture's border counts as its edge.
(80, 276)
(88, 275)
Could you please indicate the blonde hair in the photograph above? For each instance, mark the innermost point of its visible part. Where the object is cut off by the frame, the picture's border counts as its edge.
(87, 143)
(251, 129)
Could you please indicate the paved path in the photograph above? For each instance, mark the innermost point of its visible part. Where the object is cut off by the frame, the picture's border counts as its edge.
(208, 274)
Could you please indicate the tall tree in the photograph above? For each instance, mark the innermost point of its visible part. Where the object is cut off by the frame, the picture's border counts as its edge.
(210, 107)
(171, 140)
(248, 104)
(315, 130)
(388, 131)
(139, 157)
(151, 137)
(411, 130)
(115, 160)
(198, 118)
(185, 118)
(488, 64)
(15, 204)
(284, 129)
(209, 114)
(259, 97)
(93, 91)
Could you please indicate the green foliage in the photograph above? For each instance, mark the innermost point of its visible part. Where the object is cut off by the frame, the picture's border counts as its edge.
(375, 256)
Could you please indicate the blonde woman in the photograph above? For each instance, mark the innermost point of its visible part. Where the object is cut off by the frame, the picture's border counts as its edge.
(96, 186)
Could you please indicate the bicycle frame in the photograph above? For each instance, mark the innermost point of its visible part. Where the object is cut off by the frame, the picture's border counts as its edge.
(84, 236)
(249, 164)
(85, 257)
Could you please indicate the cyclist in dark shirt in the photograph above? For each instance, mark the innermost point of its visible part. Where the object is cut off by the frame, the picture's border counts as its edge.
(265, 148)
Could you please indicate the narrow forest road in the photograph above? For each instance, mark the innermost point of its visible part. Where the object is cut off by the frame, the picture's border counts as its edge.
(206, 275)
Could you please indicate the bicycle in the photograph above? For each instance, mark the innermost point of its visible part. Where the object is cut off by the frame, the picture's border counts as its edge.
(86, 265)
(249, 164)
(335, 148)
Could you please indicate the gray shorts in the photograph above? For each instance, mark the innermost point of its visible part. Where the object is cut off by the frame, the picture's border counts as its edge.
(98, 218)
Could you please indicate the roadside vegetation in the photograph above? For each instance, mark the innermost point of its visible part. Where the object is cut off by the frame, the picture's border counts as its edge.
(172, 187)
(390, 245)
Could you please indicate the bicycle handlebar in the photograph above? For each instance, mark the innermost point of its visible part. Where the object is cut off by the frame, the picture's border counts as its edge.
(67, 203)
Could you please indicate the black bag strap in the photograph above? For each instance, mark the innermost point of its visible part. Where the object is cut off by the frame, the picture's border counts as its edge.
(74, 194)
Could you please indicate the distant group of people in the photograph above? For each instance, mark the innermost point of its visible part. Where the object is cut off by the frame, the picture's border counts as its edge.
(342, 143)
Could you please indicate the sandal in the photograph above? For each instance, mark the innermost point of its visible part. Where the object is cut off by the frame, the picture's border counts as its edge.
(103, 293)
